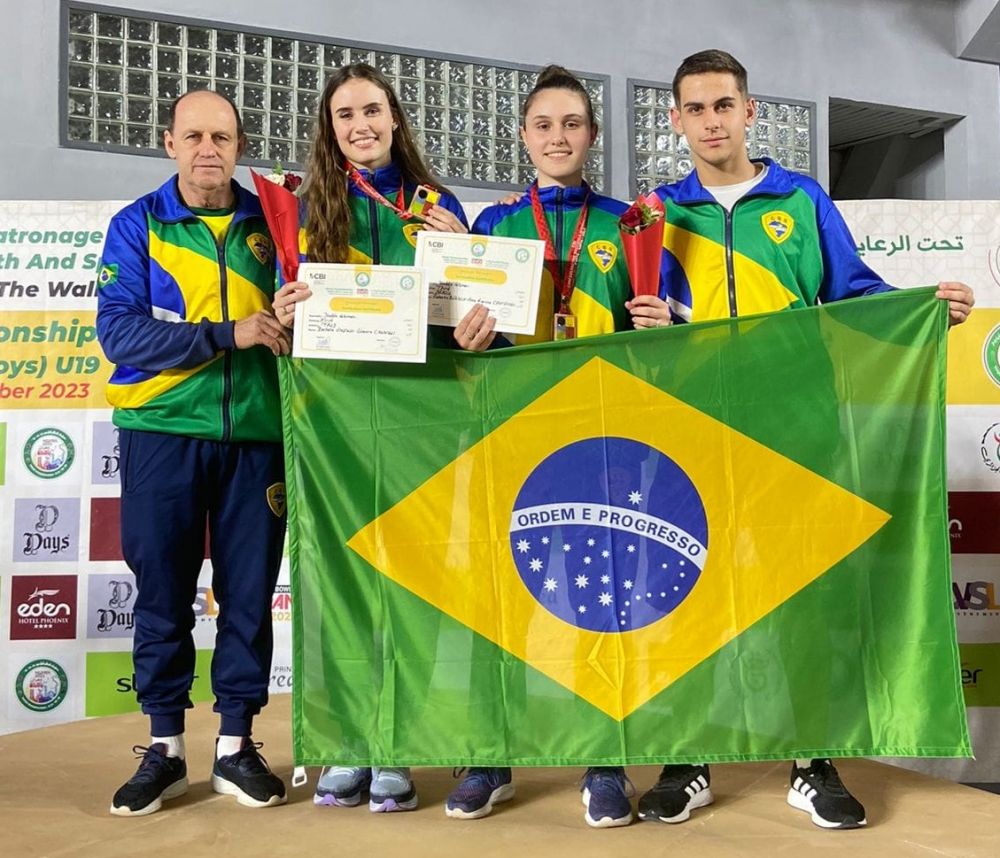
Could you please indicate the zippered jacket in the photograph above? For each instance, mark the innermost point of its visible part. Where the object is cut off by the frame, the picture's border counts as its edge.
(167, 302)
(602, 282)
(783, 245)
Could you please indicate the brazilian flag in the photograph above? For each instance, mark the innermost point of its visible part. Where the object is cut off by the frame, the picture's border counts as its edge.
(721, 541)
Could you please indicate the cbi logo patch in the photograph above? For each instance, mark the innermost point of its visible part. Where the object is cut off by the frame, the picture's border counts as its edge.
(609, 534)
(410, 231)
(778, 225)
(603, 254)
(276, 499)
(107, 275)
(262, 247)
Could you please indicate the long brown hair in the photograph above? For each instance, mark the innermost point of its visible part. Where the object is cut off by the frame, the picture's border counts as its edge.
(328, 221)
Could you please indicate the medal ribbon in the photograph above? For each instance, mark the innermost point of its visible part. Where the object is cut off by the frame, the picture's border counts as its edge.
(369, 191)
(564, 277)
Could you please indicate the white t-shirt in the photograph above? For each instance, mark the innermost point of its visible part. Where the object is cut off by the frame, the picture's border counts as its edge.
(727, 195)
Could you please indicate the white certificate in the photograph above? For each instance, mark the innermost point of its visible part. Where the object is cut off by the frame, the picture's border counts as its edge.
(362, 312)
(504, 274)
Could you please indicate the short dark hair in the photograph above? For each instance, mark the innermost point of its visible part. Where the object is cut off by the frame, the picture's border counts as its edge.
(706, 62)
(236, 111)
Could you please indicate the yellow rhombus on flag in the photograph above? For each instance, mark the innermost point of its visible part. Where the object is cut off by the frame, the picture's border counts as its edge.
(773, 527)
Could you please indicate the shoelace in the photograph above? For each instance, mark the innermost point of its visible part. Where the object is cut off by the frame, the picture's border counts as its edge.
(596, 774)
(152, 762)
(250, 761)
(826, 773)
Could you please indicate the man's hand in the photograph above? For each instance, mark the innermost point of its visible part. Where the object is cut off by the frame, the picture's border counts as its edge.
(960, 301)
(262, 329)
(648, 311)
(475, 332)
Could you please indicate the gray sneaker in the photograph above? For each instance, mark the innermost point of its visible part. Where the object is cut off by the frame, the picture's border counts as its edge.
(341, 786)
(391, 789)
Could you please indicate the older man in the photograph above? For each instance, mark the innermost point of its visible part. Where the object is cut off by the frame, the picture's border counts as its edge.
(186, 282)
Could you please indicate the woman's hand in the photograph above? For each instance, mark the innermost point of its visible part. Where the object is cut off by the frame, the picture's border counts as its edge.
(475, 332)
(440, 219)
(648, 311)
(285, 300)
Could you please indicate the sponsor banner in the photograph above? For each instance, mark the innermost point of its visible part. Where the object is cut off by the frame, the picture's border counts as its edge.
(41, 688)
(51, 360)
(105, 529)
(110, 605)
(47, 452)
(46, 530)
(281, 604)
(974, 359)
(3, 453)
(981, 674)
(105, 454)
(973, 455)
(42, 607)
(975, 594)
(974, 522)
(111, 682)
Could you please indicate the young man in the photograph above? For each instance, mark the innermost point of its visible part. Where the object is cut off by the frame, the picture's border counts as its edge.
(186, 281)
(748, 237)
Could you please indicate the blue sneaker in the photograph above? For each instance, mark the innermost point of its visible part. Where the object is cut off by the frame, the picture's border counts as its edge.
(391, 790)
(606, 793)
(342, 786)
(479, 790)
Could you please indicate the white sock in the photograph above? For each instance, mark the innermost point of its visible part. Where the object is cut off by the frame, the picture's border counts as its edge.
(175, 744)
(227, 745)
(803, 764)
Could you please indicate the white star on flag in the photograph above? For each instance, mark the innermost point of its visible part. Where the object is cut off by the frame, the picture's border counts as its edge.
(630, 549)
(605, 579)
(586, 560)
(582, 609)
(523, 546)
(590, 542)
(605, 553)
(635, 498)
(582, 581)
(604, 599)
(627, 584)
(567, 547)
(545, 540)
(550, 585)
(535, 565)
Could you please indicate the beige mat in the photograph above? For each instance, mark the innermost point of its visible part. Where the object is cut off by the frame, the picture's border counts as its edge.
(56, 785)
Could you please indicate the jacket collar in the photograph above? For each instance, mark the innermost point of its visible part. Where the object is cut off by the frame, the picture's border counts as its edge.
(777, 182)
(572, 196)
(168, 207)
(386, 180)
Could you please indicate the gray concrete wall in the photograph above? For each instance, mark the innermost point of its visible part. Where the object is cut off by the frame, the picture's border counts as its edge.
(898, 52)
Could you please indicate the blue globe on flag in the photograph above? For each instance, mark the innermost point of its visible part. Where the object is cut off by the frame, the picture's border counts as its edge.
(609, 534)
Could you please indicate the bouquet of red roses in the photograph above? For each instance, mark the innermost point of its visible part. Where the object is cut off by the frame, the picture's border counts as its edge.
(281, 211)
(641, 229)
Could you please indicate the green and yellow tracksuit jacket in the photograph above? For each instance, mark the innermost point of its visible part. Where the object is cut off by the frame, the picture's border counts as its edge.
(168, 299)
(783, 245)
(602, 283)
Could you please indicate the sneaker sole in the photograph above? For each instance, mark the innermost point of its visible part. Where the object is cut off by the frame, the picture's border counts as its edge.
(604, 821)
(389, 804)
(800, 802)
(504, 792)
(331, 800)
(224, 787)
(177, 788)
(699, 799)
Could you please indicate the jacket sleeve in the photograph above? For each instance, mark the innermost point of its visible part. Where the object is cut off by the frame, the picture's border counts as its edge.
(845, 275)
(126, 327)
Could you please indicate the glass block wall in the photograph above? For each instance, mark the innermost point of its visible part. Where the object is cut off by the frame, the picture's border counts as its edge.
(123, 69)
(784, 131)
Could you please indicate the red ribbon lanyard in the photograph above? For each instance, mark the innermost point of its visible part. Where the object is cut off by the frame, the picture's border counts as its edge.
(564, 277)
(369, 191)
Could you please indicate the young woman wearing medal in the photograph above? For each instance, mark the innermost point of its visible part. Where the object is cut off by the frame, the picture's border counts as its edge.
(365, 172)
(585, 291)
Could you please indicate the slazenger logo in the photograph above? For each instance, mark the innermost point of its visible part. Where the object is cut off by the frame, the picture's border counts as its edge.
(990, 448)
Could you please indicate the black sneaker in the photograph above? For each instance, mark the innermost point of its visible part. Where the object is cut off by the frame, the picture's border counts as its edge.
(680, 789)
(819, 791)
(245, 775)
(158, 777)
